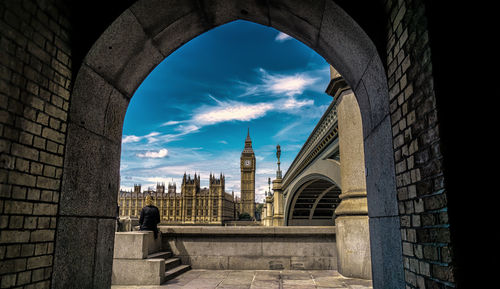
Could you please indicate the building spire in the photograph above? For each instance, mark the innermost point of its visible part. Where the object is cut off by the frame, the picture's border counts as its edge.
(248, 143)
(248, 136)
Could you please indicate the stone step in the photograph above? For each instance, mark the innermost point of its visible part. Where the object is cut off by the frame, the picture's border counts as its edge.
(172, 263)
(158, 255)
(172, 273)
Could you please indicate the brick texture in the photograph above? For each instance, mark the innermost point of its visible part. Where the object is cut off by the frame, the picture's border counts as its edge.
(421, 191)
(35, 74)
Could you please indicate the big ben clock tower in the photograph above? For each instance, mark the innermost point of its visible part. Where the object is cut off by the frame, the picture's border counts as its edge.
(247, 165)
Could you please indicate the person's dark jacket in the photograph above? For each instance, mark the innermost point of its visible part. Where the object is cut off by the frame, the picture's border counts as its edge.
(150, 217)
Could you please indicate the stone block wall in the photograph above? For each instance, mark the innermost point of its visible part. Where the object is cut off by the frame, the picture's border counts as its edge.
(253, 247)
(421, 190)
(35, 79)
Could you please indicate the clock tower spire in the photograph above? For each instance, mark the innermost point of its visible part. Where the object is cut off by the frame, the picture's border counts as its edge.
(247, 166)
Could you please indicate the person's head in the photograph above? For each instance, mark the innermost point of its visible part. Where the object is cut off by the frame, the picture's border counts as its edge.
(149, 200)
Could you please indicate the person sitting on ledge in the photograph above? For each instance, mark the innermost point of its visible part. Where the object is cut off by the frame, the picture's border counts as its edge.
(150, 217)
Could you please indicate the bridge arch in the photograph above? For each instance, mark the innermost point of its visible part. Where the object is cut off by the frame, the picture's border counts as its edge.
(138, 40)
(315, 197)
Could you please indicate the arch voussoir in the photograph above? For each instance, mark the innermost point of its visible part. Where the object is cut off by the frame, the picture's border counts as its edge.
(124, 55)
(344, 44)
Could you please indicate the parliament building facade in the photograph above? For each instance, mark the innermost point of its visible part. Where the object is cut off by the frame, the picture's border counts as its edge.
(195, 205)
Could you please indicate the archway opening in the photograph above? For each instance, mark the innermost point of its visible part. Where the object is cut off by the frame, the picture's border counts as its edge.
(193, 111)
(315, 204)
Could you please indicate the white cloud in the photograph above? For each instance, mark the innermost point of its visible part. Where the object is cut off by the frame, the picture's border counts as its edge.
(171, 122)
(151, 137)
(281, 87)
(130, 138)
(292, 103)
(214, 99)
(289, 85)
(230, 111)
(154, 154)
(281, 37)
(186, 129)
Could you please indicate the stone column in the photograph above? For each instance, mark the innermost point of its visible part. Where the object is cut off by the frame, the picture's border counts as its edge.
(278, 218)
(353, 238)
(269, 211)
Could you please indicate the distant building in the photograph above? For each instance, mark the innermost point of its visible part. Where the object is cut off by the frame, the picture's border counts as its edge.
(247, 167)
(193, 205)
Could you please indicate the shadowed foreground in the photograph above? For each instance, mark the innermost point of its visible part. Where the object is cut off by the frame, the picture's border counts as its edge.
(253, 279)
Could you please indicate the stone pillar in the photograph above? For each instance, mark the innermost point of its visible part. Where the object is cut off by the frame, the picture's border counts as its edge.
(353, 238)
(269, 211)
(278, 218)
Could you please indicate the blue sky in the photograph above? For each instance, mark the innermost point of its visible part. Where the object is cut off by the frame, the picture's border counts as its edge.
(192, 112)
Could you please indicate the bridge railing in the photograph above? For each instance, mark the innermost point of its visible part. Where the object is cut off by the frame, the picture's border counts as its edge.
(324, 132)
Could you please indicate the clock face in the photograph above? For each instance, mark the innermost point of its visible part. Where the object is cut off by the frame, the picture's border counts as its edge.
(246, 163)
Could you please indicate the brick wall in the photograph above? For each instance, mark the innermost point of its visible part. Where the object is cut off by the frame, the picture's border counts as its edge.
(35, 74)
(421, 188)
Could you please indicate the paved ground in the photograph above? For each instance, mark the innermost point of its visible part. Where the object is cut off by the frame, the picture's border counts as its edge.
(259, 279)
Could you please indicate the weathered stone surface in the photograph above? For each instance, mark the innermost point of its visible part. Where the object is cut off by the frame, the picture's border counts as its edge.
(75, 240)
(379, 160)
(299, 19)
(156, 15)
(104, 253)
(219, 12)
(124, 56)
(87, 157)
(134, 272)
(180, 32)
(134, 245)
(87, 109)
(253, 247)
(385, 244)
(353, 245)
(130, 263)
(344, 45)
(99, 107)
(265, 279)
(114, 116)
(130, 245)
(206, 262)
(373, 96)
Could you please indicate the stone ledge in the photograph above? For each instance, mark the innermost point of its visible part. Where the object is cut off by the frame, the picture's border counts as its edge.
(135, 245)
(249, 230)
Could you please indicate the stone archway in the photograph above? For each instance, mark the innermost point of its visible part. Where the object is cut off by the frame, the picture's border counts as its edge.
(124, 55)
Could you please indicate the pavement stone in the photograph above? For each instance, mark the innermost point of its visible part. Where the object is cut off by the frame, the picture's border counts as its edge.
(259, 279)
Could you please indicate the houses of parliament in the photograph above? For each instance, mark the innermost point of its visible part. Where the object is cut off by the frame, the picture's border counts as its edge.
(195, 205)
